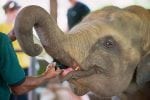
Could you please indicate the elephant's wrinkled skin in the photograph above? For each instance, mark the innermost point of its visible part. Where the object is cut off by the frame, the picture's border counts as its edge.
(110, 45)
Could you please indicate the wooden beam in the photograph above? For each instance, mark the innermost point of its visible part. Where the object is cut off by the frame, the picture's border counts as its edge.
(53, 9)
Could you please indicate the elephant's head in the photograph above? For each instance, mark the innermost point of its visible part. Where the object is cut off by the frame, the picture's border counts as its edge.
(107, 45)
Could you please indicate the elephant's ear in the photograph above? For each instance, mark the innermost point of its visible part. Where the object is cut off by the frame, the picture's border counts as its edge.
(143, 71)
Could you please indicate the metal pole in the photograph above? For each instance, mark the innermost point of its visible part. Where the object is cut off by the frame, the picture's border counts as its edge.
(32, 71)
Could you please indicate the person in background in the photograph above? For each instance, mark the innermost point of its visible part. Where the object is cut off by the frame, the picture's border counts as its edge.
(11, 9)
(76, 13)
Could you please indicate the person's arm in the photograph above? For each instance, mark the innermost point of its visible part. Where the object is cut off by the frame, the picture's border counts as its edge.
(33, 82)
(11, 35)
(13, 74)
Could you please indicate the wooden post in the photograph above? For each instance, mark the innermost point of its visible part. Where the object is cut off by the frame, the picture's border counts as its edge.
(53, 9)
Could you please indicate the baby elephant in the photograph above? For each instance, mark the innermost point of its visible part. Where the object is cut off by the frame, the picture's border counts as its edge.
(109, 49)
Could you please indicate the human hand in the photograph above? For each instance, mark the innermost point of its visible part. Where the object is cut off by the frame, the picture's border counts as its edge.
(11, 35)
(52, 71)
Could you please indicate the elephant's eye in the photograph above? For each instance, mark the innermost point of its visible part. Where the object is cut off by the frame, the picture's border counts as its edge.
(108, 43)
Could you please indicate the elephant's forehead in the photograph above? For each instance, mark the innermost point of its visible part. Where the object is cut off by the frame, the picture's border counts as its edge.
(84, 36)
(95, 30)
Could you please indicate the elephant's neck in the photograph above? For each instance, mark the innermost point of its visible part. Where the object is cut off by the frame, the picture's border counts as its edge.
(135, 93)
(146, 41)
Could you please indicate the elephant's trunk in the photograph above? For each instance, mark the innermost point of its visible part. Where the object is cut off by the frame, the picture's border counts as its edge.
(50, 35)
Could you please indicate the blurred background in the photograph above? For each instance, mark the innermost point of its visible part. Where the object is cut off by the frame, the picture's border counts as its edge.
(34, 66)
(63, 6)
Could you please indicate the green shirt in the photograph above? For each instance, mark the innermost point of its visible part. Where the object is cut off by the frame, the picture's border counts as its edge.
(11, 74)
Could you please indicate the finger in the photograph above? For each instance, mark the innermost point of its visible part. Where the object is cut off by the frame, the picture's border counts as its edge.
(59, 70)
(55, 68)
(54, 64)
(50, 65)
(59, 73)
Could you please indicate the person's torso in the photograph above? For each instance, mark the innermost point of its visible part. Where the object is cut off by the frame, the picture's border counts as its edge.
(75, 14)
(23, 58)
(4, 90)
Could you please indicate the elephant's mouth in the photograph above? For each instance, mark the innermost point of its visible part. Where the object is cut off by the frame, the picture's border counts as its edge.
(68, 72)
(74, 76)
(76, 72)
